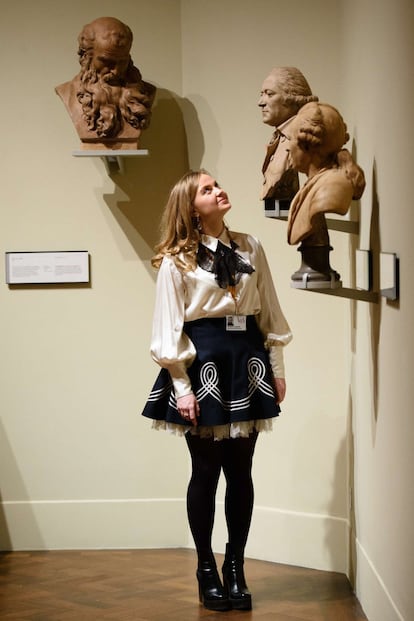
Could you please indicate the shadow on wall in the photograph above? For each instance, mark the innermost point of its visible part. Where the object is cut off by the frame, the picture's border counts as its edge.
(192, 107)
(335, 538)
(142, 189)
(375, 323)
(18, 526)
(352, 534)
(375, 309)
(354, 245)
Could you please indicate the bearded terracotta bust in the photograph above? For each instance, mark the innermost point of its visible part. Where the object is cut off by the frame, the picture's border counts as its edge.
(108, 101)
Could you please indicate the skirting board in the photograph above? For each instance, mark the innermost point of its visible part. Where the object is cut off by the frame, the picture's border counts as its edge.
(308, 540)
(303, 539)
(93, 524)
(371, 590)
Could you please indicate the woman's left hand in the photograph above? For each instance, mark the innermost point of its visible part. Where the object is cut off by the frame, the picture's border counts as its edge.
(188, 408)
(280, 387)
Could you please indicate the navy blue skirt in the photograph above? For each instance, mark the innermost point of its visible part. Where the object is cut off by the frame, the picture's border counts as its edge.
(231, 377)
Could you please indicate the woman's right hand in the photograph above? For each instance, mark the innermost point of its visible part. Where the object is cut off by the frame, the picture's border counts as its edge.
(280, 387)
(188, 408)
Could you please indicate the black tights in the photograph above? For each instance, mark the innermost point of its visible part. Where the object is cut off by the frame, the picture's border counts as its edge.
(208, 457)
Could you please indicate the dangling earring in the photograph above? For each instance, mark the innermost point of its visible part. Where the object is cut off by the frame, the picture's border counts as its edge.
(197, 223)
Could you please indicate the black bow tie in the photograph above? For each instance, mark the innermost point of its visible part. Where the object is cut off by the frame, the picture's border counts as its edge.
(225, 263)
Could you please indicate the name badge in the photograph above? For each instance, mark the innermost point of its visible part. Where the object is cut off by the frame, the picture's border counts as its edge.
(236, 323)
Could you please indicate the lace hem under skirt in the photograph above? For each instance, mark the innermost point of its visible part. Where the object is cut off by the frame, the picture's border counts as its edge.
(231, 378)
(219, 432)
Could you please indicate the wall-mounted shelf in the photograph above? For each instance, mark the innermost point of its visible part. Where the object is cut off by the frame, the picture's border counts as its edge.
(351, 294)
(388, 269)
(388, 278)
(113, 159)
(364, 281)
(345, 226)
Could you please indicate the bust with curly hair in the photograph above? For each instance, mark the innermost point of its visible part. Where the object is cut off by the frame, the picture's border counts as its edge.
(317, 136)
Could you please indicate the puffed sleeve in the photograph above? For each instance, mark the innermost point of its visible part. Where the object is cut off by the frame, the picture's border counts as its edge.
(271, 319)
(170, 346)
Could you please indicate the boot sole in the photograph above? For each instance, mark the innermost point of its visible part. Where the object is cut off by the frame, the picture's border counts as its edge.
(241, 605)
(218, 606)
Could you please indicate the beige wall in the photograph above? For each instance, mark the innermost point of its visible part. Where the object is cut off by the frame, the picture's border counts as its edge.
(78, 466)
(378, 53)
(300, 470)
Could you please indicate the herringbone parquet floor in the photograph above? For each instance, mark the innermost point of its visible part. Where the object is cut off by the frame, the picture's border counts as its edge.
(158, 585)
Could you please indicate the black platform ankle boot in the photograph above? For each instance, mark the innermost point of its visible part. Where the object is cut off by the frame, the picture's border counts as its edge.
(234, 580)
(210, 589)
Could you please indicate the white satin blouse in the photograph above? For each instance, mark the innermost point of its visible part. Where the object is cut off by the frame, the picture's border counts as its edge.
(186, 296)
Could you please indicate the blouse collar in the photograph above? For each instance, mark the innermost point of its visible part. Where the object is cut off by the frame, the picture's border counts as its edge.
(211, 242)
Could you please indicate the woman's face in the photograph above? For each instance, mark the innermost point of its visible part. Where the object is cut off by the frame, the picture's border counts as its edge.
(211, 202)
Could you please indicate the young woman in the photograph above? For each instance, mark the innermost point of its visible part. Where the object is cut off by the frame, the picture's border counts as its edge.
(218, 335)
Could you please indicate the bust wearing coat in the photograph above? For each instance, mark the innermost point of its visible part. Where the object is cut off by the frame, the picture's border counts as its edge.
(316, 138)
(283, 93)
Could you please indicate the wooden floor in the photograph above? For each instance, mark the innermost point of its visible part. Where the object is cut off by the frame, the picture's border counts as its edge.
(158, 585)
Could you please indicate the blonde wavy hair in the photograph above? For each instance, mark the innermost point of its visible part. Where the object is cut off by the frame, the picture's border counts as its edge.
(179, 234)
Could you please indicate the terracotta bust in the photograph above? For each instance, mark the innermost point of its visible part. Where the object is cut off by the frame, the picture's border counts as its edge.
(108, 101)
(284, 91)
(317, 135)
